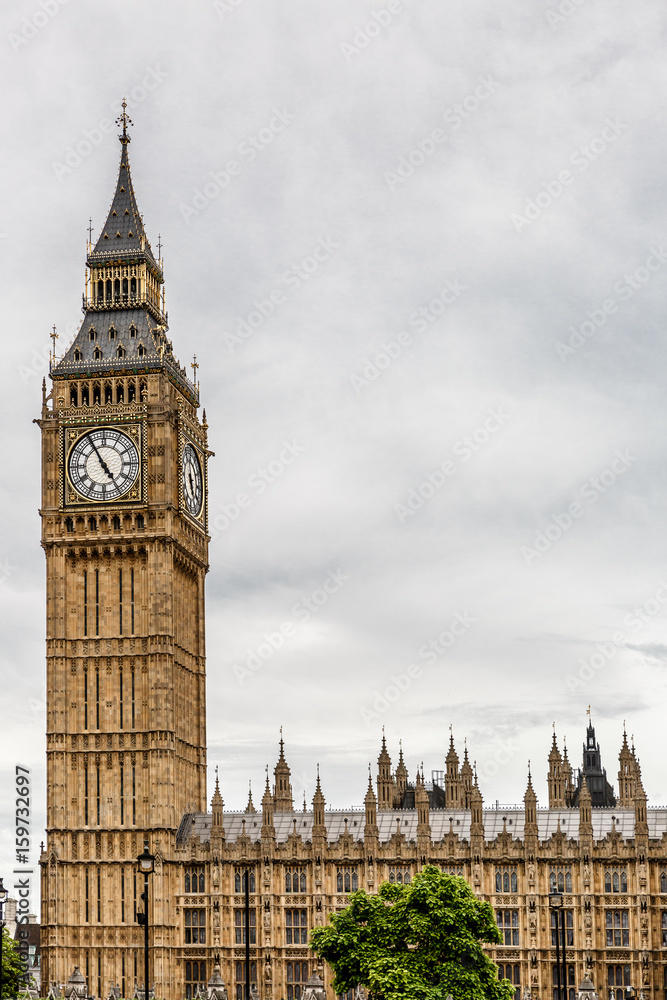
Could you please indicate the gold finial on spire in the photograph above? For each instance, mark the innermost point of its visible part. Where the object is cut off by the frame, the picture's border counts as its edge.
(588, 711)
(194, 364)
(124, 120)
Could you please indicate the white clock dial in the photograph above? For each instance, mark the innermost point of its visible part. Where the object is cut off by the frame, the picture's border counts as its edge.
(191, 480)
(103, 464)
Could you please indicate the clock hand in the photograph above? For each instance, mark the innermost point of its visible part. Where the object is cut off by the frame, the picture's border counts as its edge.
(101, 460)
(192, 483)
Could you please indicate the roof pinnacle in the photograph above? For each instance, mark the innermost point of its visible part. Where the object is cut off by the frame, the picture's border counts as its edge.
(124, 120)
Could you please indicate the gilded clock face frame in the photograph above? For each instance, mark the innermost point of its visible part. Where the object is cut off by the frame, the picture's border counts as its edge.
(192, 481)
(103, 464)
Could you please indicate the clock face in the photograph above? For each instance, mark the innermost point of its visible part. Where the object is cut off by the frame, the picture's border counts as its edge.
(103, 464)
(191, 480)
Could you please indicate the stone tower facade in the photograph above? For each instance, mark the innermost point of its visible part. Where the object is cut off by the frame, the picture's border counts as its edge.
(124, 457)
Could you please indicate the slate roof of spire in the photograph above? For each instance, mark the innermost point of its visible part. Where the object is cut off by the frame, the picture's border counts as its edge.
(123, 234)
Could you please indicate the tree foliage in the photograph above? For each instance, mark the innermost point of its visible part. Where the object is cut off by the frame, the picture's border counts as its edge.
(419, 941)
(12, 966)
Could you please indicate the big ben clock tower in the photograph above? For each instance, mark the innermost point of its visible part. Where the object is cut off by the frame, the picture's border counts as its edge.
(124, 529)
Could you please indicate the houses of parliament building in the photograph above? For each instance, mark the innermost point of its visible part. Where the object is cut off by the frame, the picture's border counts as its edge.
(125, 534)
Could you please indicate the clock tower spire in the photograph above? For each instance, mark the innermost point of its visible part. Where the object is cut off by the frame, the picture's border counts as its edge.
(124, 530)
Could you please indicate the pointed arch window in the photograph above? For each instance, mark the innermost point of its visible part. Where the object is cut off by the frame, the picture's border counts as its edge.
(98, 354)
(141, 351)
(120, 352)
(112, 333)
(91, 333)
(133, 286)
(133, 330)
(77, 357)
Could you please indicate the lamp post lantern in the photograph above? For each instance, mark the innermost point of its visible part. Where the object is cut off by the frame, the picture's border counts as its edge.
(146, 862)
(3, 899)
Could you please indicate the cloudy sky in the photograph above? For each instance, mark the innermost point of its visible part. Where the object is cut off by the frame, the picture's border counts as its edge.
(419, 249)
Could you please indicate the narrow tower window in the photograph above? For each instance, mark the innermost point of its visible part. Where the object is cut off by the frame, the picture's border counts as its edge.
(99, 905)
(97, 793)
(120, 617)
(97, 608)
(133, 697)
(132, 630)
(85, 602)
(122, 907)
(97, 699)
(87, 880)
(85, 697)
(122, 796)
(85, 804)
(134, 798)
(120, 698)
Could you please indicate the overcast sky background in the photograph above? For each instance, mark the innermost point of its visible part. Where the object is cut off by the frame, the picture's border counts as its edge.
(541, 94)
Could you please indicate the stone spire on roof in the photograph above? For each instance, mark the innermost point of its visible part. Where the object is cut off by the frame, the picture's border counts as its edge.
(385, 782)
(250, 808)
(268, 829)
(282, 789)
(319, 826)
(123, 233)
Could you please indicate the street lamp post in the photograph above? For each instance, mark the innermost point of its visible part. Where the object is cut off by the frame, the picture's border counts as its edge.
(3, 899)
(146, 862)
(556, 904)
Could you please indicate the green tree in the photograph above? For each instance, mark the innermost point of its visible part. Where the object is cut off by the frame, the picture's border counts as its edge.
(419, 941)
(12, 966)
